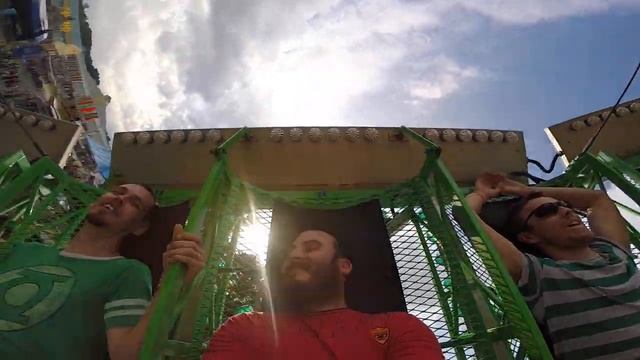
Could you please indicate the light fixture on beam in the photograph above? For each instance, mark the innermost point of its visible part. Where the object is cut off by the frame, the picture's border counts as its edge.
(511, 137)
(213, 135)
(128, 138)
(448, 135)
(29, 120)
(371, 135)
(496, 136)
(352, 134)
(432, 134)
(143, 138)
(177, 136)
(465, 135)
(160, 137)
(481, 136)
(315, 134)
(593, 120)
(333, 134)
(622, 111)
(276, 135)
(46, 124)
(579, 124)
(295, 134)
(195, 136)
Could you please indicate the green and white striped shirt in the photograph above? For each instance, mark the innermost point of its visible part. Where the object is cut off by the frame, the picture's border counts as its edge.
(591, 308)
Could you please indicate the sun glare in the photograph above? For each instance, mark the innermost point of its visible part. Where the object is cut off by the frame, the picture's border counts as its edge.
(255, 238)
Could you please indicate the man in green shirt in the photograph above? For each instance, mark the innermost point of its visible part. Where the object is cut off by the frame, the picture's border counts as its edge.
(86, 301)
(581, 283)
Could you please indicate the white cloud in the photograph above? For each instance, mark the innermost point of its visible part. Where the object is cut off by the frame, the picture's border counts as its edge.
(440, 77)
(199, 63)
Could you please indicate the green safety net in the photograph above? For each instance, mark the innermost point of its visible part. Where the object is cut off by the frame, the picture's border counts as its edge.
(452, 277)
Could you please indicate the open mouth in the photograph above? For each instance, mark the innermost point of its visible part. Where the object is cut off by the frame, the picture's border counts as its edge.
(297, 267)
(108, 207)
(575, 223)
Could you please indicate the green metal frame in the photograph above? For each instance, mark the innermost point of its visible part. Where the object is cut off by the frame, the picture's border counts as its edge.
(483, 314)
(40, 202)
(494, 314)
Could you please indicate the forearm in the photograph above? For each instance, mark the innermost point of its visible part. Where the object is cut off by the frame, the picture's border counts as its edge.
(511, 256)
(579, 198)
(129, 344)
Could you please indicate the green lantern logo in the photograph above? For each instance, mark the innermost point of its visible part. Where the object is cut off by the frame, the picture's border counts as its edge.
(32, 294)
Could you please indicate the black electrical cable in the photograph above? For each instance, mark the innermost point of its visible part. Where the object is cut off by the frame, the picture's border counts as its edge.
(552, 166)
(595, 136)
(533, 178)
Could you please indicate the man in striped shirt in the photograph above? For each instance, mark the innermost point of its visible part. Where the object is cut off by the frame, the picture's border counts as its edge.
(87, 300)
(581, 283)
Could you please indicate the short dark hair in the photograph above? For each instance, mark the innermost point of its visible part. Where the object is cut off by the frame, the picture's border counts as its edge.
(514, 226)
(341, 250)
(154, 207)
(151, 191)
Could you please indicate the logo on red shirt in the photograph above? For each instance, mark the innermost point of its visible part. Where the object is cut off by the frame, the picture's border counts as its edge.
(380, 335)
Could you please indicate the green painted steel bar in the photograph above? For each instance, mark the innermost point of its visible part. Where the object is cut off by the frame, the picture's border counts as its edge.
(477, 314)
(627, 208)
(220, 296)
(442, 297)
(495, 334)
(623, 176)
(431, 147)
(451, 321)
(160, 323)
(8, 162)
(203, 326)
(40, 168)
(526, 326)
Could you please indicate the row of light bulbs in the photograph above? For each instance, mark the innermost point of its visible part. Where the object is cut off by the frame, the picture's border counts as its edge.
(315, 134)
(596, 120)
(481, 136)
(28, 120)
(175, 136)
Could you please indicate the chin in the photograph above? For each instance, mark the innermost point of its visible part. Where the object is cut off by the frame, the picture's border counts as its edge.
(95, 218)
(583, 236)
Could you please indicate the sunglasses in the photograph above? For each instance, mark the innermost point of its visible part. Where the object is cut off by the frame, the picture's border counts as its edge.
(549, 209)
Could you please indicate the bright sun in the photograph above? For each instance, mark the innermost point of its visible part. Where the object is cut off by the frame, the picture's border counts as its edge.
(255, 237)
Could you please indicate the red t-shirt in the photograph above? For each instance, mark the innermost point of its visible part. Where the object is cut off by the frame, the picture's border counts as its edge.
(334, 334)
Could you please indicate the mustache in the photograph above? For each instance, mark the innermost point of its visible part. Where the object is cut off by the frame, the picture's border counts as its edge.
(303, 265)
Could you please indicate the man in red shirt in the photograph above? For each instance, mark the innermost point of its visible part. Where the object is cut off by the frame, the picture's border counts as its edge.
(314, 321)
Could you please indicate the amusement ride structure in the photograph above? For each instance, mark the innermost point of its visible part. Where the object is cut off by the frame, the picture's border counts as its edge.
(229, 179)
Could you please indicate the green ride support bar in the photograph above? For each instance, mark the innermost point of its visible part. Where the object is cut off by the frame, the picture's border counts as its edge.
(160, 323)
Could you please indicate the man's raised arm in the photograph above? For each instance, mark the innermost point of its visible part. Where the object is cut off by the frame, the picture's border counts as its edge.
(487, 187)
(124, 343)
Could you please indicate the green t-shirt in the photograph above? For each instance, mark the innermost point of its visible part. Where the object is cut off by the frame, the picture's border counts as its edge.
(55, 305)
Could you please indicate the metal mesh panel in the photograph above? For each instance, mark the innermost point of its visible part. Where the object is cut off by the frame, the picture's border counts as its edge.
(418, 285)
(55, 216)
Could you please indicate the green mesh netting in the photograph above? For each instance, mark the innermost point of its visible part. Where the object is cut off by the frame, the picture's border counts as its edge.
(451, 276)
(39, 202)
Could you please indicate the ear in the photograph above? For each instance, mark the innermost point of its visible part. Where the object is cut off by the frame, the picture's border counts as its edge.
(345, 266)
(142, 228)
(528, 238)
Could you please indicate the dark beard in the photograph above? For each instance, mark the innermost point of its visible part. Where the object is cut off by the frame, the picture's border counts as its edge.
(292, 296)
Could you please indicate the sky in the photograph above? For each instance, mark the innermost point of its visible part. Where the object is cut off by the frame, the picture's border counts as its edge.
(520, 65)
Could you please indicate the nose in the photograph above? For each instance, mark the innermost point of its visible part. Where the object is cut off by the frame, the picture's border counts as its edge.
(295, 254)
(566, 211)
(118, 199)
